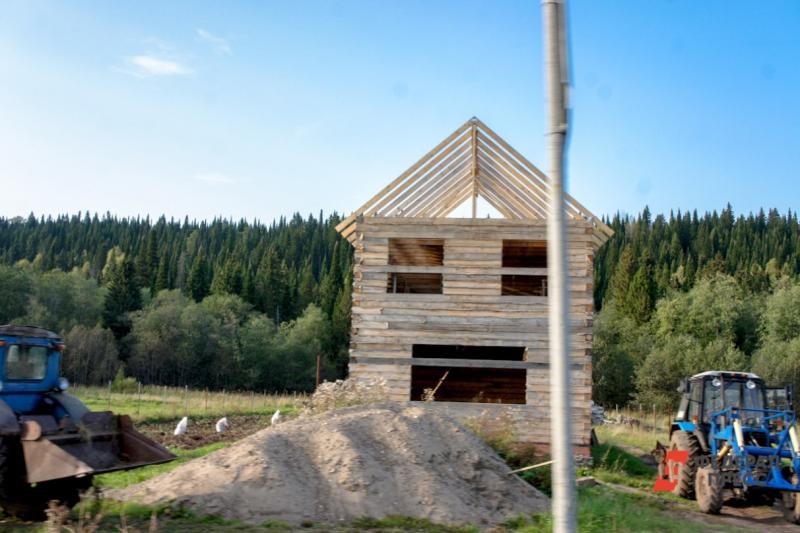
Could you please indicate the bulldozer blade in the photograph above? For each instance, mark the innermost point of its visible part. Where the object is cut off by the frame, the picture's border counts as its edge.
(45, 461)
(137, 450)
(107, 443)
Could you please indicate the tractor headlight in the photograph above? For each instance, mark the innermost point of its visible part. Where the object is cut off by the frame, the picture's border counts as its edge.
(751, 384)
(716, 382)
(62, 384)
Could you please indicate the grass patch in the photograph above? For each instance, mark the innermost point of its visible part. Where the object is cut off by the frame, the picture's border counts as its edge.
(602, 510)
(635, 438)
(115, 480)
(406, 523)
(614, 465)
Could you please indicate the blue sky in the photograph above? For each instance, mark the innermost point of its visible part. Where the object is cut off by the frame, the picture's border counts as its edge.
(260, 109)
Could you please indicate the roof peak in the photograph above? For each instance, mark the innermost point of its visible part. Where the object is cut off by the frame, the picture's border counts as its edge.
(472, 161)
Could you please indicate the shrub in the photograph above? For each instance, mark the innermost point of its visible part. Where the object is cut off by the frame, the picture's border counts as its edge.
(124, 384)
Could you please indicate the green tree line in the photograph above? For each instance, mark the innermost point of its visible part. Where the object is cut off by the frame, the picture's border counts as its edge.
(223, 304)
(687, 293)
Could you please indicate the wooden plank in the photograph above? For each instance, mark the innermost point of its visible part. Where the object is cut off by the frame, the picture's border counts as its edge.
(443, 193)
(541, 175)
(488, 165)
(511, 194)
(414, 195)
(539, 191)
(413, 168)
(442, 209)
(423, 174)
(455, 363)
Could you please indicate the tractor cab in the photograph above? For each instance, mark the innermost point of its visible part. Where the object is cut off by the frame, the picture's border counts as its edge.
(30, 363)
(716, 391)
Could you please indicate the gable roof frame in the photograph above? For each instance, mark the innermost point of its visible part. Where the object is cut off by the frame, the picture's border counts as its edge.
(472, 161)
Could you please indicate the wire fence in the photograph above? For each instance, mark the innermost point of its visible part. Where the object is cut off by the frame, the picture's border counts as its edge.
(154, 402)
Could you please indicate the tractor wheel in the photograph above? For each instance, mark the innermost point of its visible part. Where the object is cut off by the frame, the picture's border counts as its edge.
(791, 504)
(684, 473)
(708, 489)
(18, 498)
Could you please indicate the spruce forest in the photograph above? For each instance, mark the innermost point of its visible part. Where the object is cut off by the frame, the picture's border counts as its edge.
(244, 305)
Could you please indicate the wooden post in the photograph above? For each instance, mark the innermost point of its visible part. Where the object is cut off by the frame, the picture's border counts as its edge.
(109, 395)
(319, 367)
(139, 399)
(206, 400)
(252, 400)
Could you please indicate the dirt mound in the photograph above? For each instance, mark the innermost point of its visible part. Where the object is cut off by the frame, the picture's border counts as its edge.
(370, 461)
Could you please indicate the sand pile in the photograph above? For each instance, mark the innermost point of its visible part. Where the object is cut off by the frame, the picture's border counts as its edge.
(370, 461)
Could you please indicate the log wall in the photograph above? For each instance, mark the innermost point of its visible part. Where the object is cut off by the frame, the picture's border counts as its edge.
(470, 311)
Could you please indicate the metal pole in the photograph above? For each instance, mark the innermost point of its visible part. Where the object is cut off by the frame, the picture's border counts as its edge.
(563, 471)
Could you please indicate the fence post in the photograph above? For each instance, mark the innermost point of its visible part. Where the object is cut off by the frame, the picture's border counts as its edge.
(186, 400)
(252, 400)
(223, 402)
(109, 395)
(655, 421)
(205, 395)
(139, 400)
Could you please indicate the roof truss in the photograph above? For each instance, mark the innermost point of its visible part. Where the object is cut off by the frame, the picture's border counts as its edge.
(473, 161)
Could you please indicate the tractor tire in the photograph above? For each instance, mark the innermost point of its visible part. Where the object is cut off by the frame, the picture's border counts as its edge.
(684, 474)
(791, 504)
(708, 489)
(20, 499)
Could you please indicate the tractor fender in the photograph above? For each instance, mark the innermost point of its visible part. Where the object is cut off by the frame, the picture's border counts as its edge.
(9, 425)
(72, 405)
(683, 425)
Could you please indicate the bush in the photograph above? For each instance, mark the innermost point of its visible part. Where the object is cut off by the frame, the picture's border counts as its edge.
(124, 384)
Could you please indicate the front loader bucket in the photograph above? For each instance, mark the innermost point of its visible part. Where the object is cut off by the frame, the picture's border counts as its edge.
(101, 442)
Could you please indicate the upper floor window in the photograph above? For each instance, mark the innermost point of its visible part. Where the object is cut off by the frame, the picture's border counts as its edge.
(525, 254)
(416, 252)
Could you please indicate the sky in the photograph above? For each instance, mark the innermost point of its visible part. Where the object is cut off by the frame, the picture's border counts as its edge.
(261, 109)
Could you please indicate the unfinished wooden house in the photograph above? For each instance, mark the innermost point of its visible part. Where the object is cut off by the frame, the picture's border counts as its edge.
(455, 309)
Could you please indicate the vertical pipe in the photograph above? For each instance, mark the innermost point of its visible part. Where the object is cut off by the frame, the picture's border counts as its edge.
(564, 506)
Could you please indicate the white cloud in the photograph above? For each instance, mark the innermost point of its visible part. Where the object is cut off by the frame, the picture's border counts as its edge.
(214, 178)
(220, 45)
(149, 65)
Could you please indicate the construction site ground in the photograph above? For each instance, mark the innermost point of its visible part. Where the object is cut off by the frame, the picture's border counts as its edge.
(623, 501)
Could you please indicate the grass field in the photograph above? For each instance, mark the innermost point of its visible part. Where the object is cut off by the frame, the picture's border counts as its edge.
(154, 403)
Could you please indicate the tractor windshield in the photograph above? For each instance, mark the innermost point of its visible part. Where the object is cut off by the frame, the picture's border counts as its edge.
(732, 394)
(26, 362)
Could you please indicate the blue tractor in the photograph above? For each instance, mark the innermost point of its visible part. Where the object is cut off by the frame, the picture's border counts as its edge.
(51, 444)
(740, 436)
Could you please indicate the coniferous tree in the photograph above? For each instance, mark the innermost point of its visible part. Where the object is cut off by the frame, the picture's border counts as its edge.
(197, 284)
(122, 297)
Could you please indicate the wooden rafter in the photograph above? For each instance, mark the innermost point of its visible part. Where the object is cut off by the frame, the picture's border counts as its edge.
(473, 161)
